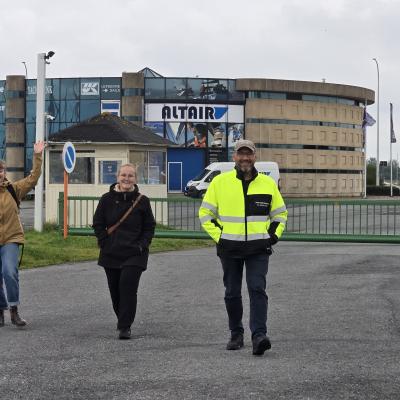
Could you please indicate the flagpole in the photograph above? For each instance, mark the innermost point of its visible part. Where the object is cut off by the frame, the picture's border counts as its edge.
(377, 129)
(392, 140)
(391, 167)
(365, 153)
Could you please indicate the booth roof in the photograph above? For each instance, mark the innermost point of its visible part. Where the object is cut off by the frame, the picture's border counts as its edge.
(108, 128)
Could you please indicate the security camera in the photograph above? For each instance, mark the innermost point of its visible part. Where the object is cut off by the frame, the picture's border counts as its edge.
(49, 55)
(50, 117)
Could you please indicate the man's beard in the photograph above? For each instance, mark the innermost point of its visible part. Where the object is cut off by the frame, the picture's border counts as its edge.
(245, 168)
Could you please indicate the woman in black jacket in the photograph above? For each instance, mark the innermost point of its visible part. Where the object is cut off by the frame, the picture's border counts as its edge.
(124, 252)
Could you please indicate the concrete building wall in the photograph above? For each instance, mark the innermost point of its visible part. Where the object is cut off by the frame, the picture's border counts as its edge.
(132, 100)
(15, 126)
(300, 149)
(320, 88)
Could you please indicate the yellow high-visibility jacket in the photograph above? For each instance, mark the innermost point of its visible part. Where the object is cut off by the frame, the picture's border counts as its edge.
(243, 217)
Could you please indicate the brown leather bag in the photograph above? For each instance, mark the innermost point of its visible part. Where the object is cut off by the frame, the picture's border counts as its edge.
(112, 228)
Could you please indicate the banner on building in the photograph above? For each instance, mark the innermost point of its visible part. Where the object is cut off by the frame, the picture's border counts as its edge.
(181, 112)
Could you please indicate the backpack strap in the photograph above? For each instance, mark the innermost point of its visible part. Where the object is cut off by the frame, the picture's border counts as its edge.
(11, 190)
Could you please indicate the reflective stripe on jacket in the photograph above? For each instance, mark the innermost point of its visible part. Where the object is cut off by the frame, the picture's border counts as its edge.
(241, 223)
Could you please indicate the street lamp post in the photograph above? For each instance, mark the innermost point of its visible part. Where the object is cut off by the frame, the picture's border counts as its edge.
(40, 134)
(377, 127)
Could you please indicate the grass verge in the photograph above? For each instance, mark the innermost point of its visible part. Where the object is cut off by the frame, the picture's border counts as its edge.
(49, 247)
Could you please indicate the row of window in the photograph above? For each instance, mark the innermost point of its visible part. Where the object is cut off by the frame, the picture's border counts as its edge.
(201, 89)
(300, 122)
(68, 111)
(306, 147)
(150, 168)
(301, 97)
(77, 88)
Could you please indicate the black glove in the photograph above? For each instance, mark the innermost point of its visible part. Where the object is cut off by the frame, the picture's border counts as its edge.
(273, 238)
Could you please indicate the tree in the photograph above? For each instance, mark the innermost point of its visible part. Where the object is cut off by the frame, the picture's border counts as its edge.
(371, 171)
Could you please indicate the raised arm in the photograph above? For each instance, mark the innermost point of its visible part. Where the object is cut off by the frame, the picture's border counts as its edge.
(23, 186)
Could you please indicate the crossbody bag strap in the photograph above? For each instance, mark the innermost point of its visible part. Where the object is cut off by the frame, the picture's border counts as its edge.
(11, 190)
(112, 228)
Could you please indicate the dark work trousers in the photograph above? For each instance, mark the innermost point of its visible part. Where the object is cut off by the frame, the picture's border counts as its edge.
(256, 272)
(123, 284)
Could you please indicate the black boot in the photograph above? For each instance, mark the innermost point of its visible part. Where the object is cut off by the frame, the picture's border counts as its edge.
(261, 343)
(15, 318)
(125, 333)
(1, 317)
(235, 342)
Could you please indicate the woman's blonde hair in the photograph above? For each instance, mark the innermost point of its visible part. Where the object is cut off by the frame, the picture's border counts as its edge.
(2, 164)
(126, 165)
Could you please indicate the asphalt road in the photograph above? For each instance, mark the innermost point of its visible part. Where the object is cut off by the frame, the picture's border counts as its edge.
(334, 322)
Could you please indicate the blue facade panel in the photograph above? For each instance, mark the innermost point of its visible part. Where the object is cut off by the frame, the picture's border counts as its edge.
(193, 162)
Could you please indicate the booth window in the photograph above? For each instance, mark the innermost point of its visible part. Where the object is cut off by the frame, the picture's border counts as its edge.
(83, 172)
(150, 166)
(108, 171)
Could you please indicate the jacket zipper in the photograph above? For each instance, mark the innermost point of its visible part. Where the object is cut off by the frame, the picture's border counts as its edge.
(245, 212)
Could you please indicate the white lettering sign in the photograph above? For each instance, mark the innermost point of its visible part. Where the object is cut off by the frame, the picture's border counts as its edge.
(181, 112)
(110, 88)
(32, 90)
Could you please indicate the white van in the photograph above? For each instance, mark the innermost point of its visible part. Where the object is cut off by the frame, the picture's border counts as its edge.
(197, 186)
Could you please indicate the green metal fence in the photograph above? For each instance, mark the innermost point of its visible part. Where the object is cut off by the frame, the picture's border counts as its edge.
(309, 220)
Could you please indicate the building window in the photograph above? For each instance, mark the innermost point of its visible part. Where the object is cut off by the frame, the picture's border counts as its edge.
(133, 92)
(69, 89)
(150, 166)
(83, 172)
(108, 171)
(89, 109)
(15, 94)
(155, 88)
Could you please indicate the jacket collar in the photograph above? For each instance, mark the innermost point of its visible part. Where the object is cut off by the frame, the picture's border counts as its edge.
(124, 195)
(240, 174)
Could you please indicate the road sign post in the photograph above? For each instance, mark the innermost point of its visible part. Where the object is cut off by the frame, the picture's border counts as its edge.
(69, 159)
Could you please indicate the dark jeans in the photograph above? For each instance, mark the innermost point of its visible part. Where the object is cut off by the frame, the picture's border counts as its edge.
(256, 272)
(123, 284)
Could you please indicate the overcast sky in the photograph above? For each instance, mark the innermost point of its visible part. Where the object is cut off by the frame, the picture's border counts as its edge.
(282, 39)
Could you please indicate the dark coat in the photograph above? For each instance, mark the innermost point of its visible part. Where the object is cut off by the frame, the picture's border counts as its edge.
(129, 244)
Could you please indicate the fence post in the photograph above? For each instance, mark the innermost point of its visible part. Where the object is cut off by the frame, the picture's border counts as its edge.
(60, 211)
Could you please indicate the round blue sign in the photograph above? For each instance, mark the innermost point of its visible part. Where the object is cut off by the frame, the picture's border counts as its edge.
(69, 157)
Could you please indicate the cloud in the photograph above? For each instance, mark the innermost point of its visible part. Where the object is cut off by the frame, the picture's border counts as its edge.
(287, 39)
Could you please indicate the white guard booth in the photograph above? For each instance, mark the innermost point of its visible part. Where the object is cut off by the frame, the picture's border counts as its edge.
(102, 145)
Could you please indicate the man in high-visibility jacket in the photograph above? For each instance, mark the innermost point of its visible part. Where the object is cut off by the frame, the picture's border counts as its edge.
(244, 213)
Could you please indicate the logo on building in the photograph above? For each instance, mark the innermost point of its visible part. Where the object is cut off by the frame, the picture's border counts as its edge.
(90, 89)
(193, 113)
(183, 112)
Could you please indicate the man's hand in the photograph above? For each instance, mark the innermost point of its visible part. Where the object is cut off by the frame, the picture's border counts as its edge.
(38, 147)
(273, 238)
